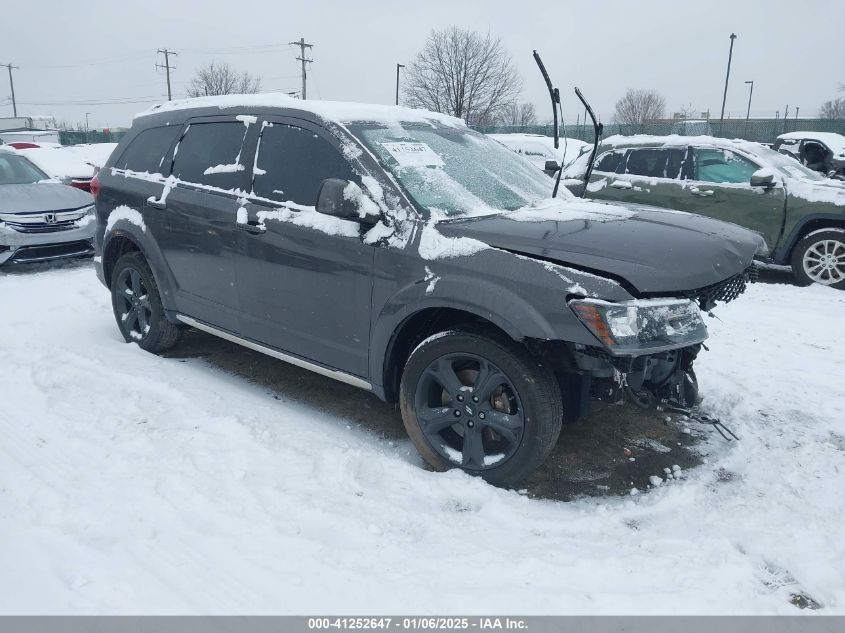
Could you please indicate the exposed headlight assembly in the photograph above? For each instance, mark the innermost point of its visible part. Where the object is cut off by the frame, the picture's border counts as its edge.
(643, 326)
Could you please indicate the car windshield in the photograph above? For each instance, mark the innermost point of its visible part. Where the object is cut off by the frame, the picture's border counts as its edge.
(786, 165)
(455, 171)
(17, 170)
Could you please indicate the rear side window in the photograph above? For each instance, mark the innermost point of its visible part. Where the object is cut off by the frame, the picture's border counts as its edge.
(149, 151)
(293, 162)
(656, 163)
(609, 162)
(210, 154)
(721, 165)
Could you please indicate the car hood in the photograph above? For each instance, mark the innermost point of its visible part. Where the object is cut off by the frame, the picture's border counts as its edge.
(42, 196)
(654, 250)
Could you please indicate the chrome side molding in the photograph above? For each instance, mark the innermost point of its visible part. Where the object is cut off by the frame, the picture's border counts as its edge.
(349, 379)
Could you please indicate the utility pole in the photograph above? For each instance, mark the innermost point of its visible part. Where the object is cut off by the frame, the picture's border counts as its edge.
(398, 66)
(748, 111)
(12, 87)
(727, 76)
(302, 58)
(87, 129)
(167, 67)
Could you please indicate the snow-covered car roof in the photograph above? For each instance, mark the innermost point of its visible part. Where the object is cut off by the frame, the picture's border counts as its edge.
(92, 153)
(538, 148)
(676, 140)
(336, 111)
(834, 141)
(58, 162)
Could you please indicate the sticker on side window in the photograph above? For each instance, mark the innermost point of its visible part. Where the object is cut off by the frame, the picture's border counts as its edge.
(413, 154)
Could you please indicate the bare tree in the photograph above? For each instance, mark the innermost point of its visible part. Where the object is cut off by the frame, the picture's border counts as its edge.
(518, 114)
(221, 79)
(687, 111)
(834, 109)
(639, 106)
(464, 74)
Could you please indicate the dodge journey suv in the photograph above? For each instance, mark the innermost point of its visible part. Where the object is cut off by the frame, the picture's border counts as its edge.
(401, 252)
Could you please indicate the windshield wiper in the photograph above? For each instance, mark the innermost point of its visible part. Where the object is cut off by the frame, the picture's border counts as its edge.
(554, 93)
(598, 128)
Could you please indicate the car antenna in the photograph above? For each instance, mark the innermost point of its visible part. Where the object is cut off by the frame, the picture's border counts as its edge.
(554, 93)
(598, 128)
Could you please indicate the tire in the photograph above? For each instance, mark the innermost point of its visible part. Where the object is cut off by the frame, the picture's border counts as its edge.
(137, 305)
(476, 400)
(820, 258)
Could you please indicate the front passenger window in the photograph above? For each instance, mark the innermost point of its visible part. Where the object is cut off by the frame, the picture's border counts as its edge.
(655, 163)
(292, 163)
(722, 165)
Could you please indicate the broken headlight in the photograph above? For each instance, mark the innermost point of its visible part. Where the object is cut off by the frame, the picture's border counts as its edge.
(643, 326)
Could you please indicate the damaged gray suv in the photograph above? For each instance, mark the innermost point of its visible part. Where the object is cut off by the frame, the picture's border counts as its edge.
(401, 252)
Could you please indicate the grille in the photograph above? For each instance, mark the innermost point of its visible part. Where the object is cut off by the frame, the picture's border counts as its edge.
(725, 291)
(52, 251)
(41, 227)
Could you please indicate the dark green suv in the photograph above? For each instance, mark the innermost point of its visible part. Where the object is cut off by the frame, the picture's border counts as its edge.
(800, 213)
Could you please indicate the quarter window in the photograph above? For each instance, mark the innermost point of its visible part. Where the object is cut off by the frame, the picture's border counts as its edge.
(722, 165)
(609, 162)
(210, 154)
(293, 162)
(149, 151)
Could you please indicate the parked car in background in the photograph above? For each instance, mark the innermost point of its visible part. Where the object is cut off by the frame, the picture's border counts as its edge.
(800, 213)
(823, 152)
(95, 154)
(61, 164)
(691, 127)
(488, 311)
(540, 149)
(40, 220)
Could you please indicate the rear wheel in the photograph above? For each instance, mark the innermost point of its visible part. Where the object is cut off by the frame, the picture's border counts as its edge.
(474, 400)
(820, 258)
(137, 305)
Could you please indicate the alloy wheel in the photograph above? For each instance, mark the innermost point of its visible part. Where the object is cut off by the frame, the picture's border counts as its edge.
(133, 301)
(469, 411)
(824, 262)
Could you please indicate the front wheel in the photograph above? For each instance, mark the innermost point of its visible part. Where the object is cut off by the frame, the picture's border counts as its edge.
(820, 258)
(474, 400)
(137, 305)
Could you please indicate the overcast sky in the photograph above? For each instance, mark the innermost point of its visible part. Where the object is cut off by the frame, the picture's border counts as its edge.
(101, 53)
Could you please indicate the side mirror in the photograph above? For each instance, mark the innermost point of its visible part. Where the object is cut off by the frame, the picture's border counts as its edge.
(551, 167)
(762, 178)
(332, 200)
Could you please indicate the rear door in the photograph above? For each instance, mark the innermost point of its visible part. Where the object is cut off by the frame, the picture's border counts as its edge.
(196, 217)
(655, 176)
(305, 278)
(720, 188)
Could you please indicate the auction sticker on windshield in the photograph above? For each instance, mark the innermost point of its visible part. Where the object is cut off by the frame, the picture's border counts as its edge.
(413, 154)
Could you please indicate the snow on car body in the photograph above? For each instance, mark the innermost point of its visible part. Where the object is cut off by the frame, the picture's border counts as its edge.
(540, 149)
(401, 252)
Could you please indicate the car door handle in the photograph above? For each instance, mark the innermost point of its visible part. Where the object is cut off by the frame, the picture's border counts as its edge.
(704, 193)
(621, 184)
(156, 204)
(252, 227)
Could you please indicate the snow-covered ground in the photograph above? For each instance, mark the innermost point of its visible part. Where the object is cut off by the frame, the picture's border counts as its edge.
(131, 483)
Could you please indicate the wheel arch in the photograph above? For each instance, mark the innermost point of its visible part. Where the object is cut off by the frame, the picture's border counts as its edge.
(419, 325)
(808, 225)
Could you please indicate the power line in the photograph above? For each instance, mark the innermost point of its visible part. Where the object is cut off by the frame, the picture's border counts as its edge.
(12, 87)
(167, 67)
(302, 46)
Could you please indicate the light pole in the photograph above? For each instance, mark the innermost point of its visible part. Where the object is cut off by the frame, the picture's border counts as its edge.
(727, 77)
(87, 131)
(748, 112)
(398, 66)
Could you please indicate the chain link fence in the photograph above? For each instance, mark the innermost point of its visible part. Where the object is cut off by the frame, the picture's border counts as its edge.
(760, 130)
(77, 137)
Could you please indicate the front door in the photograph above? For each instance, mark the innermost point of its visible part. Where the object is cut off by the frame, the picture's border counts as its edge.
(305, 279)
(720, 188)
